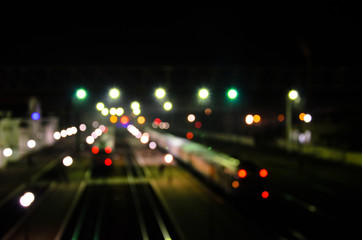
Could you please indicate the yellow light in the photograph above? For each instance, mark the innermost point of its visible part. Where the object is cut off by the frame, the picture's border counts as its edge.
(100, 106)
(141, 120)
(301, 116)
(105, 111)
(293, 94)
(167, 106)
(160, 93)
(120, 111)
(135, 105)
(113, 111)
(136, 111)
(203, 93)
(257, 118)
(114, 93)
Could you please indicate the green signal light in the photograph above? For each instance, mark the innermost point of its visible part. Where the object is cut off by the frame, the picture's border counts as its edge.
(232, 93)
(81, 93)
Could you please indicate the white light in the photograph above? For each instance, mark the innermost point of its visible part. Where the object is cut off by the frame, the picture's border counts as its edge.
(160, 93)
(69, 131)
(63, 133)
(307, 118)
(168, 158)
(293, 94)
(7, 152)
(105, 111)
(114, 93)
(167, 106)
(249, 119)
(100, 106)
(82, 127)
(120, 111)
(152, 145)
(57, 135)
(27, 199)
(191, 117)
(31, 143)
(89, 140)
(113, 111)
(98, 132)
(67, 161)
(144, 138)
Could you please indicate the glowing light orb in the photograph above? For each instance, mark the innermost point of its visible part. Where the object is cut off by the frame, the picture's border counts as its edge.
(242, 173)
(95, 150)
(232, 94)
(114, 93)
(113, 111)
(82, 127)
(113, 119)
(27, 199)
(67, 161)
(249, 119)
(203, 93)
(100, 106)
(160, 93)
(105, 111)
(31, 143)
(307, 118)
(108, 162)
(81, 93)
(89, 140)
(35, 116)
(152, 145)
(265, 194)
(135, 105)
(108, 149)
(57, 135)
(189, 135)
(191, 117)
(119, 111)
(141, 120)
(293, 94)
(7, 152)
(263, 173)
(168, 158)
(256, 118)
(167, 106)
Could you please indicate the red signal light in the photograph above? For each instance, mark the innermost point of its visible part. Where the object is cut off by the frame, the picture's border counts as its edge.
(95, 150)
(242, 173)
(108, 162)
(108, 149)
(263, 173)
(189, 135)
(198, 124)
(157, 121)
(265, 194)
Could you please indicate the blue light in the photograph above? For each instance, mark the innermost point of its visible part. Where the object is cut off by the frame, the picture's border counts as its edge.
(35, 116)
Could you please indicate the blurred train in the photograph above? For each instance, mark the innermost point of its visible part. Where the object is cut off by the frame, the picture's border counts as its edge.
(231, 174)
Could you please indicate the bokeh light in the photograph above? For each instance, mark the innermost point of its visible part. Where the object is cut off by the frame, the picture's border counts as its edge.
(168, 158)
(31, 143)
(191, 117)
(114, 93)
(67, 161)
(249, 119)
(203, 93)
(160, 93)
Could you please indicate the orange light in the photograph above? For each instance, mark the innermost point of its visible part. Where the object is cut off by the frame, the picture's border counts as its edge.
(108, 162)
(301, 116)
(242, 173)
(263, 173)
(265, 194)
(281, 117)
(257, 118)
(141, 120)
(124, 119)
(113, 119)
(235, 184)
(208, 111)
(95, 150)
(108, 149)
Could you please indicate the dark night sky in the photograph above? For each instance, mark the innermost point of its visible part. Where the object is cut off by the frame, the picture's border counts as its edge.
(250, 35)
